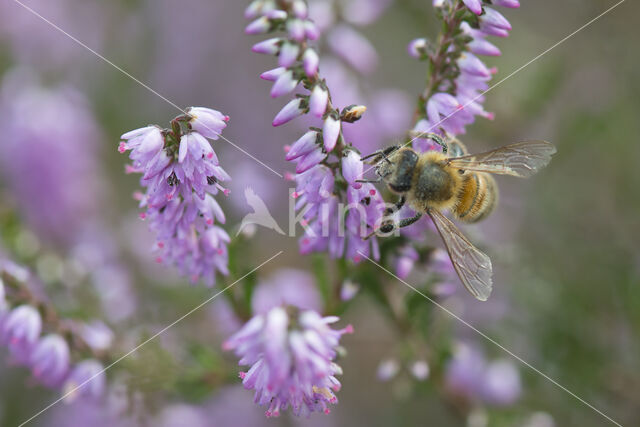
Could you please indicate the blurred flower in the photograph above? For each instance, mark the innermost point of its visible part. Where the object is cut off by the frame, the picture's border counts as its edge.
(49, 161)
(468, 375)
(20, 332)
(286, 287)
(291, 359)
(349, 290)
(87, 379)
(387, 369)
(420, 370)
(50, 360)
(405, 261)
(181, 173)
(502, 386)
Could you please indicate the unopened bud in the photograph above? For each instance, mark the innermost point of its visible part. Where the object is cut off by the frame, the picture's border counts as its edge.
(353, 113)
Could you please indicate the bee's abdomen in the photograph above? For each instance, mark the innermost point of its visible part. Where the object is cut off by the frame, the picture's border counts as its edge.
(477, 198)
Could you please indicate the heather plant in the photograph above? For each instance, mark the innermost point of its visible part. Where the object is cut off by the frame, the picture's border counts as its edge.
(178, 308)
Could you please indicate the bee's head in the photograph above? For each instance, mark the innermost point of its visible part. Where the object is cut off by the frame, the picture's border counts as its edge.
(396, 169)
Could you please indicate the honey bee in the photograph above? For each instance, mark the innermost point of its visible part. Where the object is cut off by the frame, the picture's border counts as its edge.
(454, 180)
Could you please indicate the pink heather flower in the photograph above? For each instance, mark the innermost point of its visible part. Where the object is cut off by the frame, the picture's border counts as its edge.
(330, 133)
(364, 12)
(405, 262)
(474, 5)
(387, 370)
(144, 143)
(288, 54)
(507, 3)
(311, 30)
(494, 18)
(268, 47)
(289, 112)
(300, 9)
(470, 64)
(416, 47)
(352, 168)
(318, 101)
(286, 287)
(310, 61)
(290, 359)
(179, 202)
(20, 331)
(296, 30)
(420, 370)
(272, 75)
(349, 290)
(468, 375)
(259, 26)
(209, 123)
(353, 48)
(365, 210)
(481, 46)
(284, 84)
(310, 160)
(304, 145)
(501, 385)
(50, 360)
(86, 380)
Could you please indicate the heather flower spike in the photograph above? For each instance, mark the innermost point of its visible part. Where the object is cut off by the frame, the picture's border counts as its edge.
(290, 354)
(182, 175)
(322, 156)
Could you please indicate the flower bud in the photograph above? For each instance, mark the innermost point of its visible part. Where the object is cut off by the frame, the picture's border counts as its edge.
(353, 113)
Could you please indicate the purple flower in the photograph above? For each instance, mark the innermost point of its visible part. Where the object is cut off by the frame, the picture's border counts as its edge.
(291, 360)
(49, 157)
(286, 287)
(501, 385)
(284, 84)
(310, 61)
(330, 132)
(468, 375)
(474, 5)
(86, 380)
(20, 332)
(405, 261)
(304, 145)
(50, 360)
(416, 47)
(353, 48)
(352, 168)
(318, 101)
(209, 123)
(289, 112)
(182, 176)
(507, 3)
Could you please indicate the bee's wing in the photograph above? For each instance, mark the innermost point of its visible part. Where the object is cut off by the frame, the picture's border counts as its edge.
(521, 159)
(472, 265)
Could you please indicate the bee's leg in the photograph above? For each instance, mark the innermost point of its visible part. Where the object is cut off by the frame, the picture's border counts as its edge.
(389, 225)
(382, 153)
(396, 207)
(408, 221)
(369, 181)
(438, 140)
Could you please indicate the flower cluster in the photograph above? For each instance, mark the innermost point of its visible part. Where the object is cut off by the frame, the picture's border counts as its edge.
(37, 339)
(469, 376)
(182, 174)
(327, 168)
(290, 354)
(458, 77)
(49, 162)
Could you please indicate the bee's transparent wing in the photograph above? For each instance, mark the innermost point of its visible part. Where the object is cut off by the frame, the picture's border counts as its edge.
(521, 159)
(472, 265)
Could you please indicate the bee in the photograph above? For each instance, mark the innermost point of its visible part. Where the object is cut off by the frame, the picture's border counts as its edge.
(454, 180)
